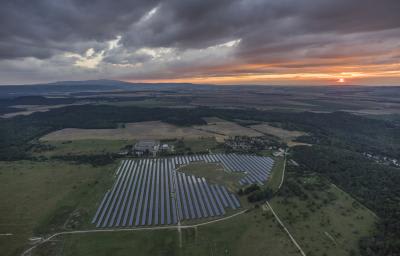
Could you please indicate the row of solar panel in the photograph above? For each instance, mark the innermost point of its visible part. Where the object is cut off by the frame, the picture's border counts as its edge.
(143, 194)
(257, 168)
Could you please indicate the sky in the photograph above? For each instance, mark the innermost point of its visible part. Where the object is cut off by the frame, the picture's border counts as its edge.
(285, 42)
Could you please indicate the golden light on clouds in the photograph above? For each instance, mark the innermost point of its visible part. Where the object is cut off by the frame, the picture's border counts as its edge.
(271, 74)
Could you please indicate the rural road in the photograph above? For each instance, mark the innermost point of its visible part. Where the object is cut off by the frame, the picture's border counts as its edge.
(286, 230)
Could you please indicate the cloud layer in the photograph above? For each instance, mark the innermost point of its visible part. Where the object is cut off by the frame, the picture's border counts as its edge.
(235, 41)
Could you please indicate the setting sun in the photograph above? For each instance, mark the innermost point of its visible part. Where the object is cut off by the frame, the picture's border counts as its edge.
(341, 80)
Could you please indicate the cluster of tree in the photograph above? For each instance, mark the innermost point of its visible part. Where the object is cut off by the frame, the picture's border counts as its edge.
(260, 195)
(249, 189)
(375, 185)
(246, 144)
(94, 160)
(255, 193)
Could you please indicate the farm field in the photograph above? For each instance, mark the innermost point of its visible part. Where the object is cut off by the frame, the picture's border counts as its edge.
(215, 128)
(286, 136)
(52, 192)
(132, 131)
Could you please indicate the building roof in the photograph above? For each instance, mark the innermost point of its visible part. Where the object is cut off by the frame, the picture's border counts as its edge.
(143, 145)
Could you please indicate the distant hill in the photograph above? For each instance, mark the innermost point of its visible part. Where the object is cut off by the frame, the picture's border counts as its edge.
(70, 87)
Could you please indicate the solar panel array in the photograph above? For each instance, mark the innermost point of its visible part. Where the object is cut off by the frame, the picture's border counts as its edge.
(152, 192)
(257, 168)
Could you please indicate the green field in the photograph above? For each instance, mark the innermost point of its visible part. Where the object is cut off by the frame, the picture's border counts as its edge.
(323, 219)
(254, 233)
(80, 147)
(41, 197)
(275, 177)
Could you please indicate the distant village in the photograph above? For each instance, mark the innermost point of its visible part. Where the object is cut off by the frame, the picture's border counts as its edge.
(383, 159)
(242, 144)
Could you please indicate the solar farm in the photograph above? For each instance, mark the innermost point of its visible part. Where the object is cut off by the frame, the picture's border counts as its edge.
(151, 192)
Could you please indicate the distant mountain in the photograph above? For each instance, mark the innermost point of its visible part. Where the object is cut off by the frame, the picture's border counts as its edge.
(100, 82)
(71, 87)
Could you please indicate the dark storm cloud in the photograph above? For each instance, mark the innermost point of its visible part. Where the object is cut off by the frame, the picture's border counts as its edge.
(43, 28)
(269, 31)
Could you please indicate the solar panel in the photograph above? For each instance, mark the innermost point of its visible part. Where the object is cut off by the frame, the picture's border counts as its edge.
(133, 188)
(153, 192)
(167, 193)
(157, 193)
(196, 186)
(115, 194)
(142, 191)
(195, 196)
(128, 187)
(153, 177)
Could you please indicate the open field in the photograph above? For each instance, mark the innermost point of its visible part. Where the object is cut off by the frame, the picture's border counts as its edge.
(253, 233)
(323, 219)
(39, 197)
(225, 128)
(132, 131)
(217, 128)
(80, 147)
(286, 136)
(30, 109)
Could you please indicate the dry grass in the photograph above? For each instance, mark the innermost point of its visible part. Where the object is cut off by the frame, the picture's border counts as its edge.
(285, 135)
(217, 128)
(132, 131)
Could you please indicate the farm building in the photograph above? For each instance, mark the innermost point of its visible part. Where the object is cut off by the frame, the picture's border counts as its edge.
(146, 147)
